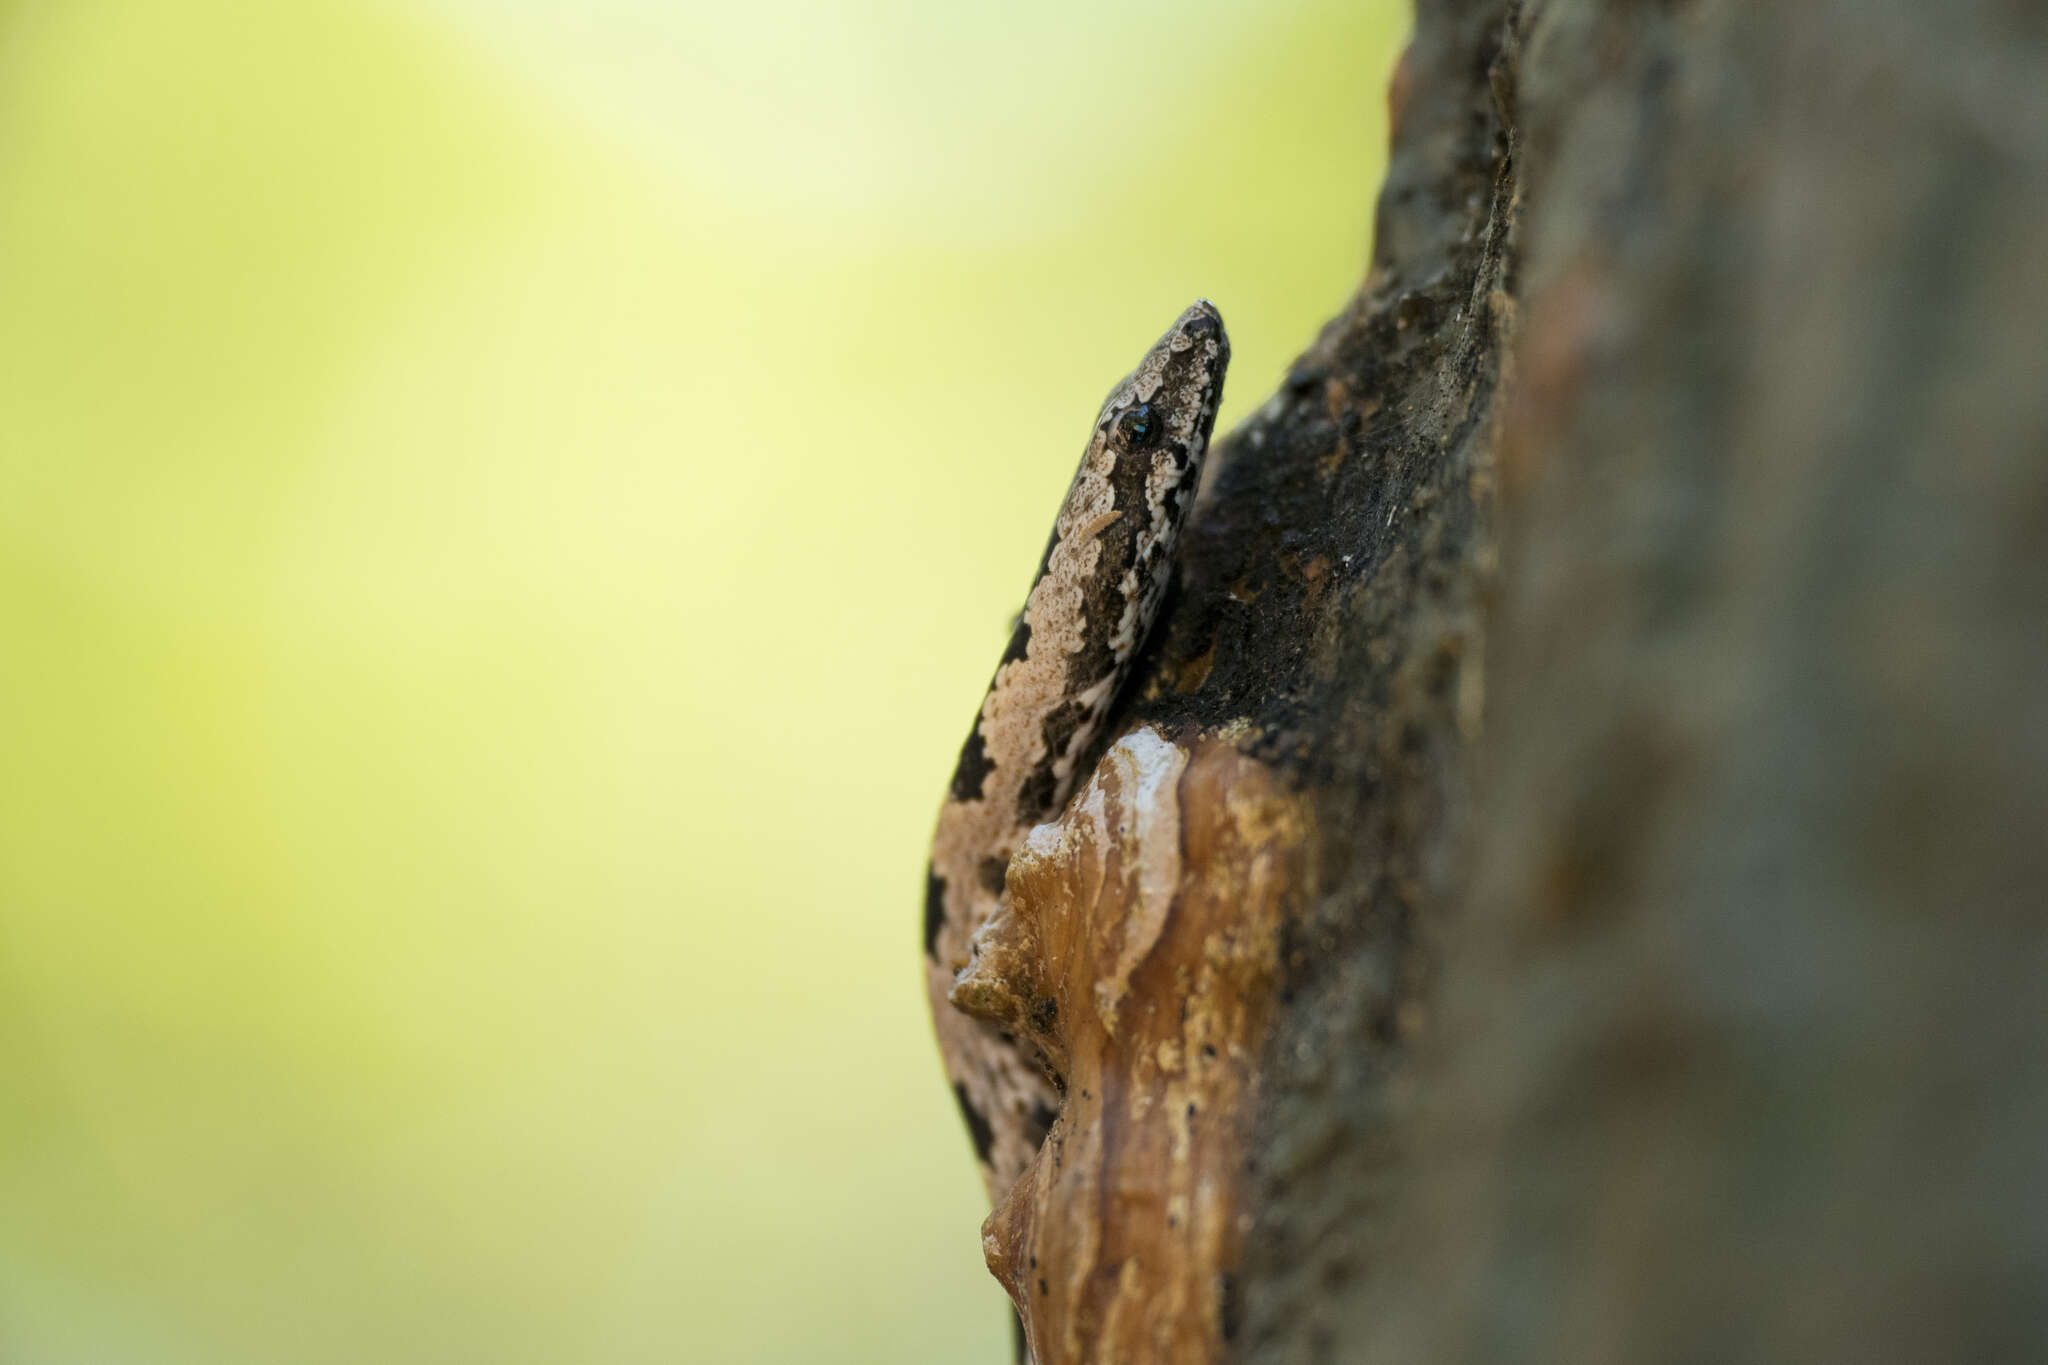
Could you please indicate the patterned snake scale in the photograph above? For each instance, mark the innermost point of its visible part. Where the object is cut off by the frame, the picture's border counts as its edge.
(1105, 570)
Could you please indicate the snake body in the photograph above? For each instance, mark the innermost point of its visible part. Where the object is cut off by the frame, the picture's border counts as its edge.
(1098, 588)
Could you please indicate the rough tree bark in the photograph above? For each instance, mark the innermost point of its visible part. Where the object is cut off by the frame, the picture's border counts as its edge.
(1630, 616)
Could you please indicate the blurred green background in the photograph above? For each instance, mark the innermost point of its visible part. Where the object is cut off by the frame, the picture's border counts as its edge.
(506, 510)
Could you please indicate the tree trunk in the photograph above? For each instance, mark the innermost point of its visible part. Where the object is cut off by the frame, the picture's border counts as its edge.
(1638, 594)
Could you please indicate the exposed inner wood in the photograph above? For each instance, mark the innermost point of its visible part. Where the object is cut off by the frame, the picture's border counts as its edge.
(1138, 953)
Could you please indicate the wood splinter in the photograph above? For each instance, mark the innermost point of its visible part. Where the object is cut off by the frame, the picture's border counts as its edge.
(1136, 951)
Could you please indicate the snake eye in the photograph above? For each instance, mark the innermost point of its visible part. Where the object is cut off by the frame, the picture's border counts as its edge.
(1139, 426)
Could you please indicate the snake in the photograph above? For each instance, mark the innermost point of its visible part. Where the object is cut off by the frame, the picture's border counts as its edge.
(1097, 591)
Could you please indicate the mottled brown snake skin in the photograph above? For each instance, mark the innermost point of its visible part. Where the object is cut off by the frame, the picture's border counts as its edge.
(1105, 570)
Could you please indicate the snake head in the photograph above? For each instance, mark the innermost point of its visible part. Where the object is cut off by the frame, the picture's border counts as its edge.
(1167, 405)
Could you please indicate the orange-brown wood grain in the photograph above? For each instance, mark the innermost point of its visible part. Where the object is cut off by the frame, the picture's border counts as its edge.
(1138, 952)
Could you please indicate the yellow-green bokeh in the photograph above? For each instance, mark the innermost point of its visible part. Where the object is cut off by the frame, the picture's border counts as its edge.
(505, 512)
